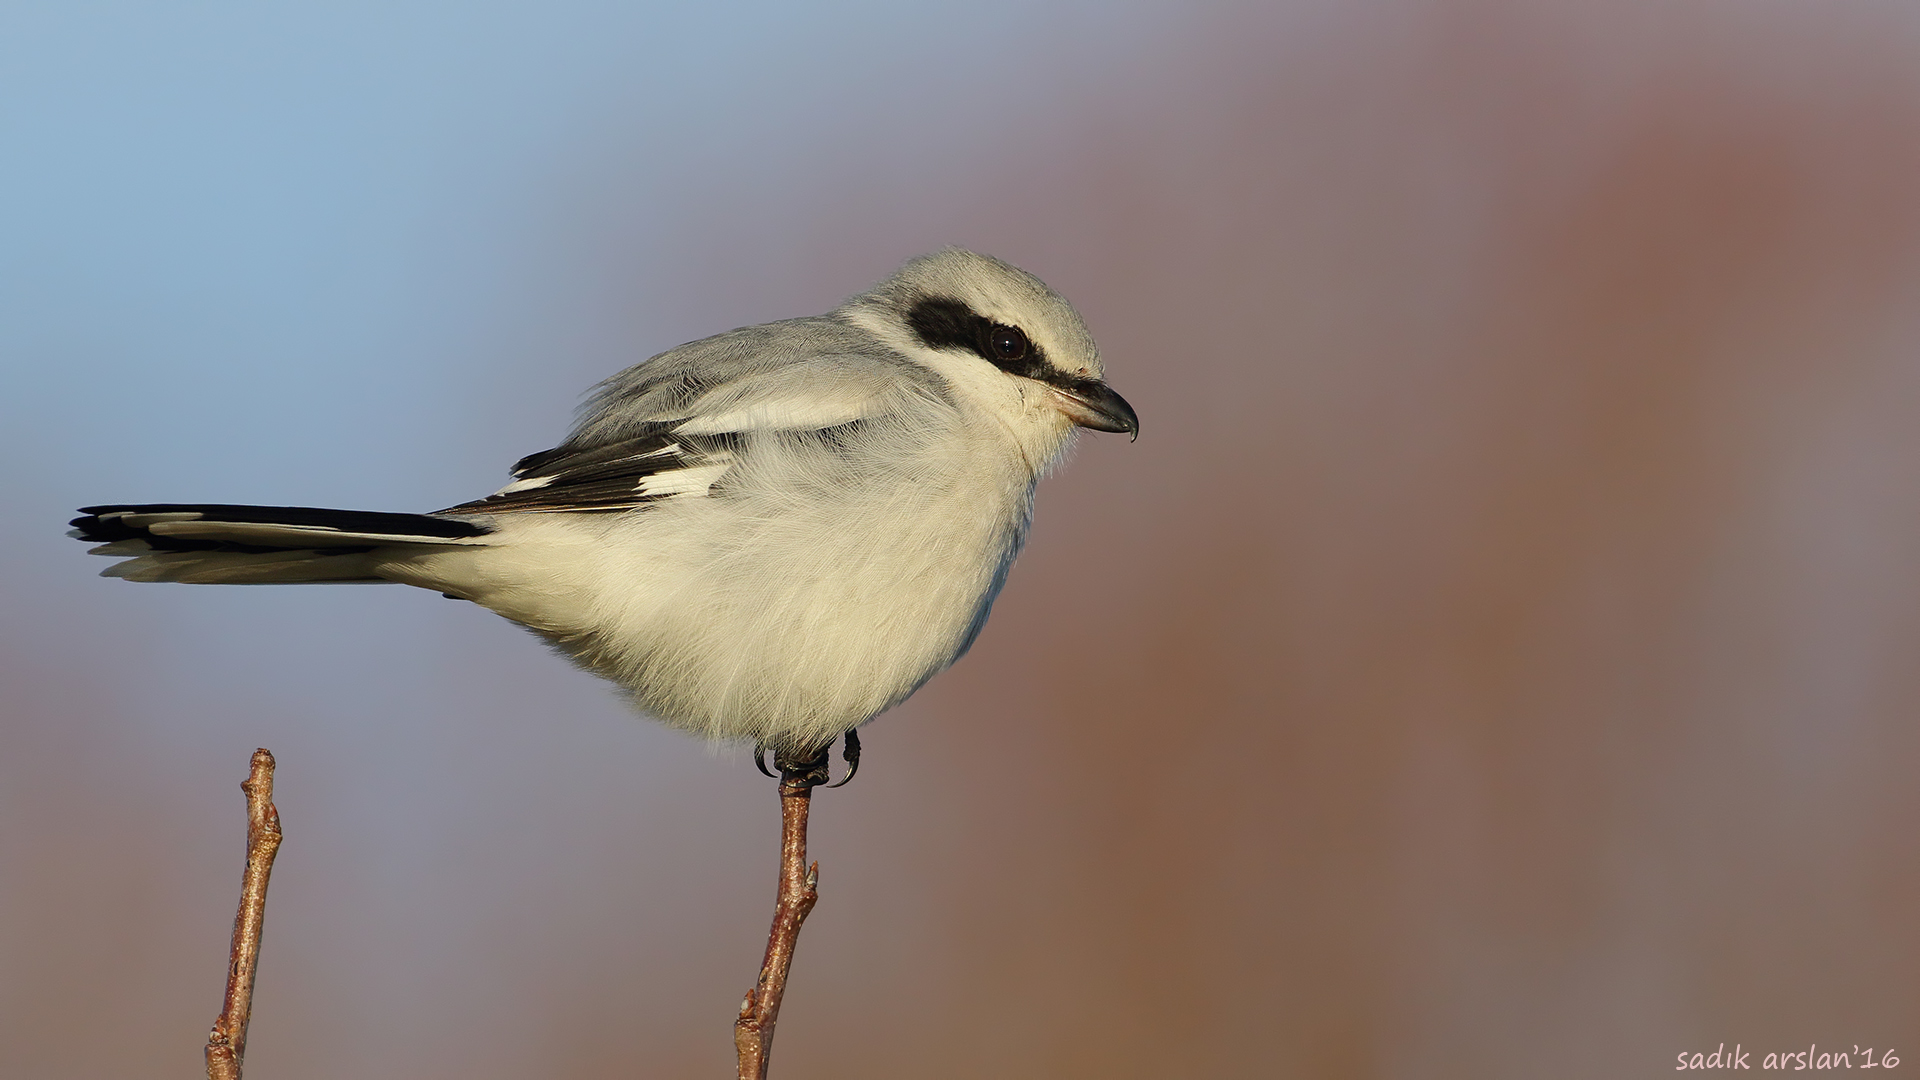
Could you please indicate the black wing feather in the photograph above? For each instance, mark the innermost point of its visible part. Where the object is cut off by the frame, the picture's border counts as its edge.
(604, 478)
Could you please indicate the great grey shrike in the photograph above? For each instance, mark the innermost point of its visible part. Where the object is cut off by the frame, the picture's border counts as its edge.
(773, 534)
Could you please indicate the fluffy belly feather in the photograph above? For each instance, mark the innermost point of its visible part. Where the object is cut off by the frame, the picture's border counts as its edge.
(753, 616)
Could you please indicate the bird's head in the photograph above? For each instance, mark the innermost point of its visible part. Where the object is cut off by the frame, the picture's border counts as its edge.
(1001, 338)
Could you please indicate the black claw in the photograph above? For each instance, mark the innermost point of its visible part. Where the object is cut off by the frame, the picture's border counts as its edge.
(851, 753)
(760, 761)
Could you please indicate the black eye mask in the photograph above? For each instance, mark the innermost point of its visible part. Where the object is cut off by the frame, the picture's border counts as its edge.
(944, 323)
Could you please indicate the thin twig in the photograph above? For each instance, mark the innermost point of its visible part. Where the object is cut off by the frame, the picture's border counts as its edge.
(753, 1031)
(227, 1045)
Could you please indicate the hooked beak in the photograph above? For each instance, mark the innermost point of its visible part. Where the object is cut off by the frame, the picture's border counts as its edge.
(1092, 404)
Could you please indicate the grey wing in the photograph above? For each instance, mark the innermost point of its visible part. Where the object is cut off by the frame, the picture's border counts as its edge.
(674, 425)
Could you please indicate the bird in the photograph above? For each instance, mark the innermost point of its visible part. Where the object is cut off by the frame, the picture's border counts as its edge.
(771, 535)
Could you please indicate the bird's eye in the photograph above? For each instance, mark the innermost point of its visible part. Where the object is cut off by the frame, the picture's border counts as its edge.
(1009, 343)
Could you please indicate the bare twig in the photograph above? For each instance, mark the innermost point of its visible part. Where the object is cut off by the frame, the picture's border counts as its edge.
(227, 1045)
(753, 1031)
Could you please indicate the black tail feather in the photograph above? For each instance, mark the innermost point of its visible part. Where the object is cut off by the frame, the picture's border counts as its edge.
(109, 524)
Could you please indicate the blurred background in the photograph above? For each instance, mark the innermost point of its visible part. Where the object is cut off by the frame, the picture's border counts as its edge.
(1496, 658)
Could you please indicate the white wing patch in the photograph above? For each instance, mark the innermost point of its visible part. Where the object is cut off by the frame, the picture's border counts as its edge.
(690, 481)
(529, 484)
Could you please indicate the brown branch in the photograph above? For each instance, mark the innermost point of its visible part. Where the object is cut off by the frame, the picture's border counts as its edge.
(753, 1031)
(227, 1045)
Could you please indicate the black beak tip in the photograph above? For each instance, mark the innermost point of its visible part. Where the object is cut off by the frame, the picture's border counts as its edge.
(1104, 410)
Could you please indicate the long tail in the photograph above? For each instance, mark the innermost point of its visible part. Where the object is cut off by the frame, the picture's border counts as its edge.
(212, 543)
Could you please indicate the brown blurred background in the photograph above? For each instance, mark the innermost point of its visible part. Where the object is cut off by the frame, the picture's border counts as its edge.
(1496, 658)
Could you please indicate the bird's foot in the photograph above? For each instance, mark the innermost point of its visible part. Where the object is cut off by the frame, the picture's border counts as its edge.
(808, 768)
